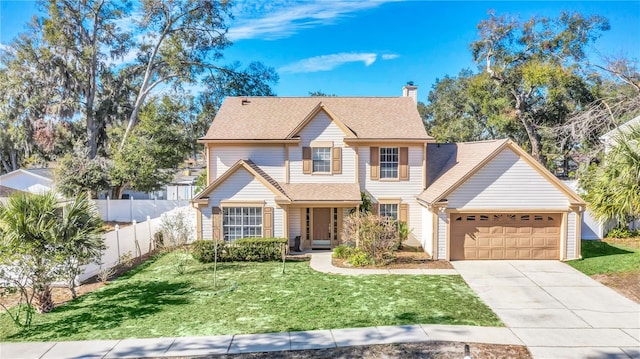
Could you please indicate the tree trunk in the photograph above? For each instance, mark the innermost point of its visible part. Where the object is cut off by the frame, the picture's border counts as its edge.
(72, 289)
(116, 192)
(43, 300)
(92, 136)
(535, 140)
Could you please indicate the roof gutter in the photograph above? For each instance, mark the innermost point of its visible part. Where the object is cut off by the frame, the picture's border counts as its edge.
(243, 141)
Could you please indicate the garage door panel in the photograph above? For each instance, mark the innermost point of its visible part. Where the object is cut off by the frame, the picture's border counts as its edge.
(505, 236)
(497, 242)
(524, 242)
(497, 253)
(471, 253)
(483, 253)
(539, 241)
(484, 242)
(524, 253)
(510, 230)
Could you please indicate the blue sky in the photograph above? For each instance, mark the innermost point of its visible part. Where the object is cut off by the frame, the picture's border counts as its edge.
(372, 48)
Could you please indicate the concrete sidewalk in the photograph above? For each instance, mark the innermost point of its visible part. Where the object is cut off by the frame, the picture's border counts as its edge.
(557, 311)
(248, 343)
(321, 262)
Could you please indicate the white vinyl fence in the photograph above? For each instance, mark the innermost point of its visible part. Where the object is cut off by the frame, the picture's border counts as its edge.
(129, 210)
(136, 239)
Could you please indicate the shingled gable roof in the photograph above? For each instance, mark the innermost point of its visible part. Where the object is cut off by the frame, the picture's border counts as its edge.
(303, 192)
(276, 118)
(252, 168)
(323, 192)
(450, 165)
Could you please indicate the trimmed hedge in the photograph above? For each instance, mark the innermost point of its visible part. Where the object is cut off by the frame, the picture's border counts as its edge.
(244, 249)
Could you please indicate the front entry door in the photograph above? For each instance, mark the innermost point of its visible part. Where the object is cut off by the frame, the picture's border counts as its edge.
(322, 228)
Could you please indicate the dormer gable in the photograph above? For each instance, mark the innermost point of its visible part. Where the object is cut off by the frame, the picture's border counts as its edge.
(321, 107)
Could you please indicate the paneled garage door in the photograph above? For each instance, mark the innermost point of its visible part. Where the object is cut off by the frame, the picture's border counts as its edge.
(505, 236)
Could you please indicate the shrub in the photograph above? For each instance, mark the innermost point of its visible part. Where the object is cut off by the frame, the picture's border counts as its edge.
(622, 233)
(255, 249)
(342, 251)
(204, 251)
(245, 249)
(358, 258)
(376, 236)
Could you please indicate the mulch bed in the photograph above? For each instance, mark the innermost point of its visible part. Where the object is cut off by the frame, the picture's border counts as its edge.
(404, 259)
(435, 349)
(627, 284)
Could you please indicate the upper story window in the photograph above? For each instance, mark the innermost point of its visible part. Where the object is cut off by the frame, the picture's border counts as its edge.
(388, 162)
(321, 157)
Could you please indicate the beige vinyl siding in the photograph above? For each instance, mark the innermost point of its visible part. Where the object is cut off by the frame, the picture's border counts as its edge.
(294, 223)
(269, 158)
(321, 128)
(571, 235)
(508, 182)
(442, 235)
(427, 230)
(407, 191)
(242, 186)
(205, 222)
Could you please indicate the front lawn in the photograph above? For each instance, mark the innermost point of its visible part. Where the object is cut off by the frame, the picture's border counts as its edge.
(153, 301)
(614, 263)
(600, 257)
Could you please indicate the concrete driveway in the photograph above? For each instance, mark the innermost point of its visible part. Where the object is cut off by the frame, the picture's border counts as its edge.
(557, 311)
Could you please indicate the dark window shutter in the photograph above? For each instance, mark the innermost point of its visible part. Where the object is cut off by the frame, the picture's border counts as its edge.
(404, 164)
(306, 160)
(374, 162)
(336, 160)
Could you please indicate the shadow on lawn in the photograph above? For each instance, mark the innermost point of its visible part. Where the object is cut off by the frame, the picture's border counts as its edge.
(109, 308)
(592, 249)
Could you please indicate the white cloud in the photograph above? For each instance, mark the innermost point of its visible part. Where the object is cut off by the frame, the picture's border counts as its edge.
(389, 56)
(4, 47)
(272, 20)
(328, 62)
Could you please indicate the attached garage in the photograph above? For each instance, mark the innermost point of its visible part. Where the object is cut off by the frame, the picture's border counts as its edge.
(505, 236)
(491, 201)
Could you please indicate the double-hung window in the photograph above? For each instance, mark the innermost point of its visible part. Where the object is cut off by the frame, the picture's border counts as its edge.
(389, 210)
(321, 157)
(388, 162)
(241, 222)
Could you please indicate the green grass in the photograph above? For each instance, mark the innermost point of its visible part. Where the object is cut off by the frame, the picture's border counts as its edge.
(602, 257)
(153, 301)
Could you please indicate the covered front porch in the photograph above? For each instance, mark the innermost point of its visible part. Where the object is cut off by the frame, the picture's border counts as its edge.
(315, 213)
(317, 226)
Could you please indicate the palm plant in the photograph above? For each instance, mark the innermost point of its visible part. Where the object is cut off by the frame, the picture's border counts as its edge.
(614, 187)
(79, 232)
(43, 241)
(27, 224)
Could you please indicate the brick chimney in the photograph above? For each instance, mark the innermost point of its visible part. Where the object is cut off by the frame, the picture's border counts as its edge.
(410, 90)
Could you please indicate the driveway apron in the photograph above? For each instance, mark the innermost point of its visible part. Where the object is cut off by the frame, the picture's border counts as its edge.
(557, 311)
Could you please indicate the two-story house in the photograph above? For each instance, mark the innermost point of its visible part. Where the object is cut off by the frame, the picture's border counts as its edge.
(296, 166)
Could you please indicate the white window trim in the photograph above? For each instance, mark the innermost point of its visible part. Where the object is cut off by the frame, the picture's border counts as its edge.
(243, 226)
(313, 171)
(397, 162)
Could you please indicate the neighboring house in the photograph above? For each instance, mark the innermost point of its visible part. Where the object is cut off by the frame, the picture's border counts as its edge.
(183, 185)
(289, 167)
(609, 138)
(30, 180)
